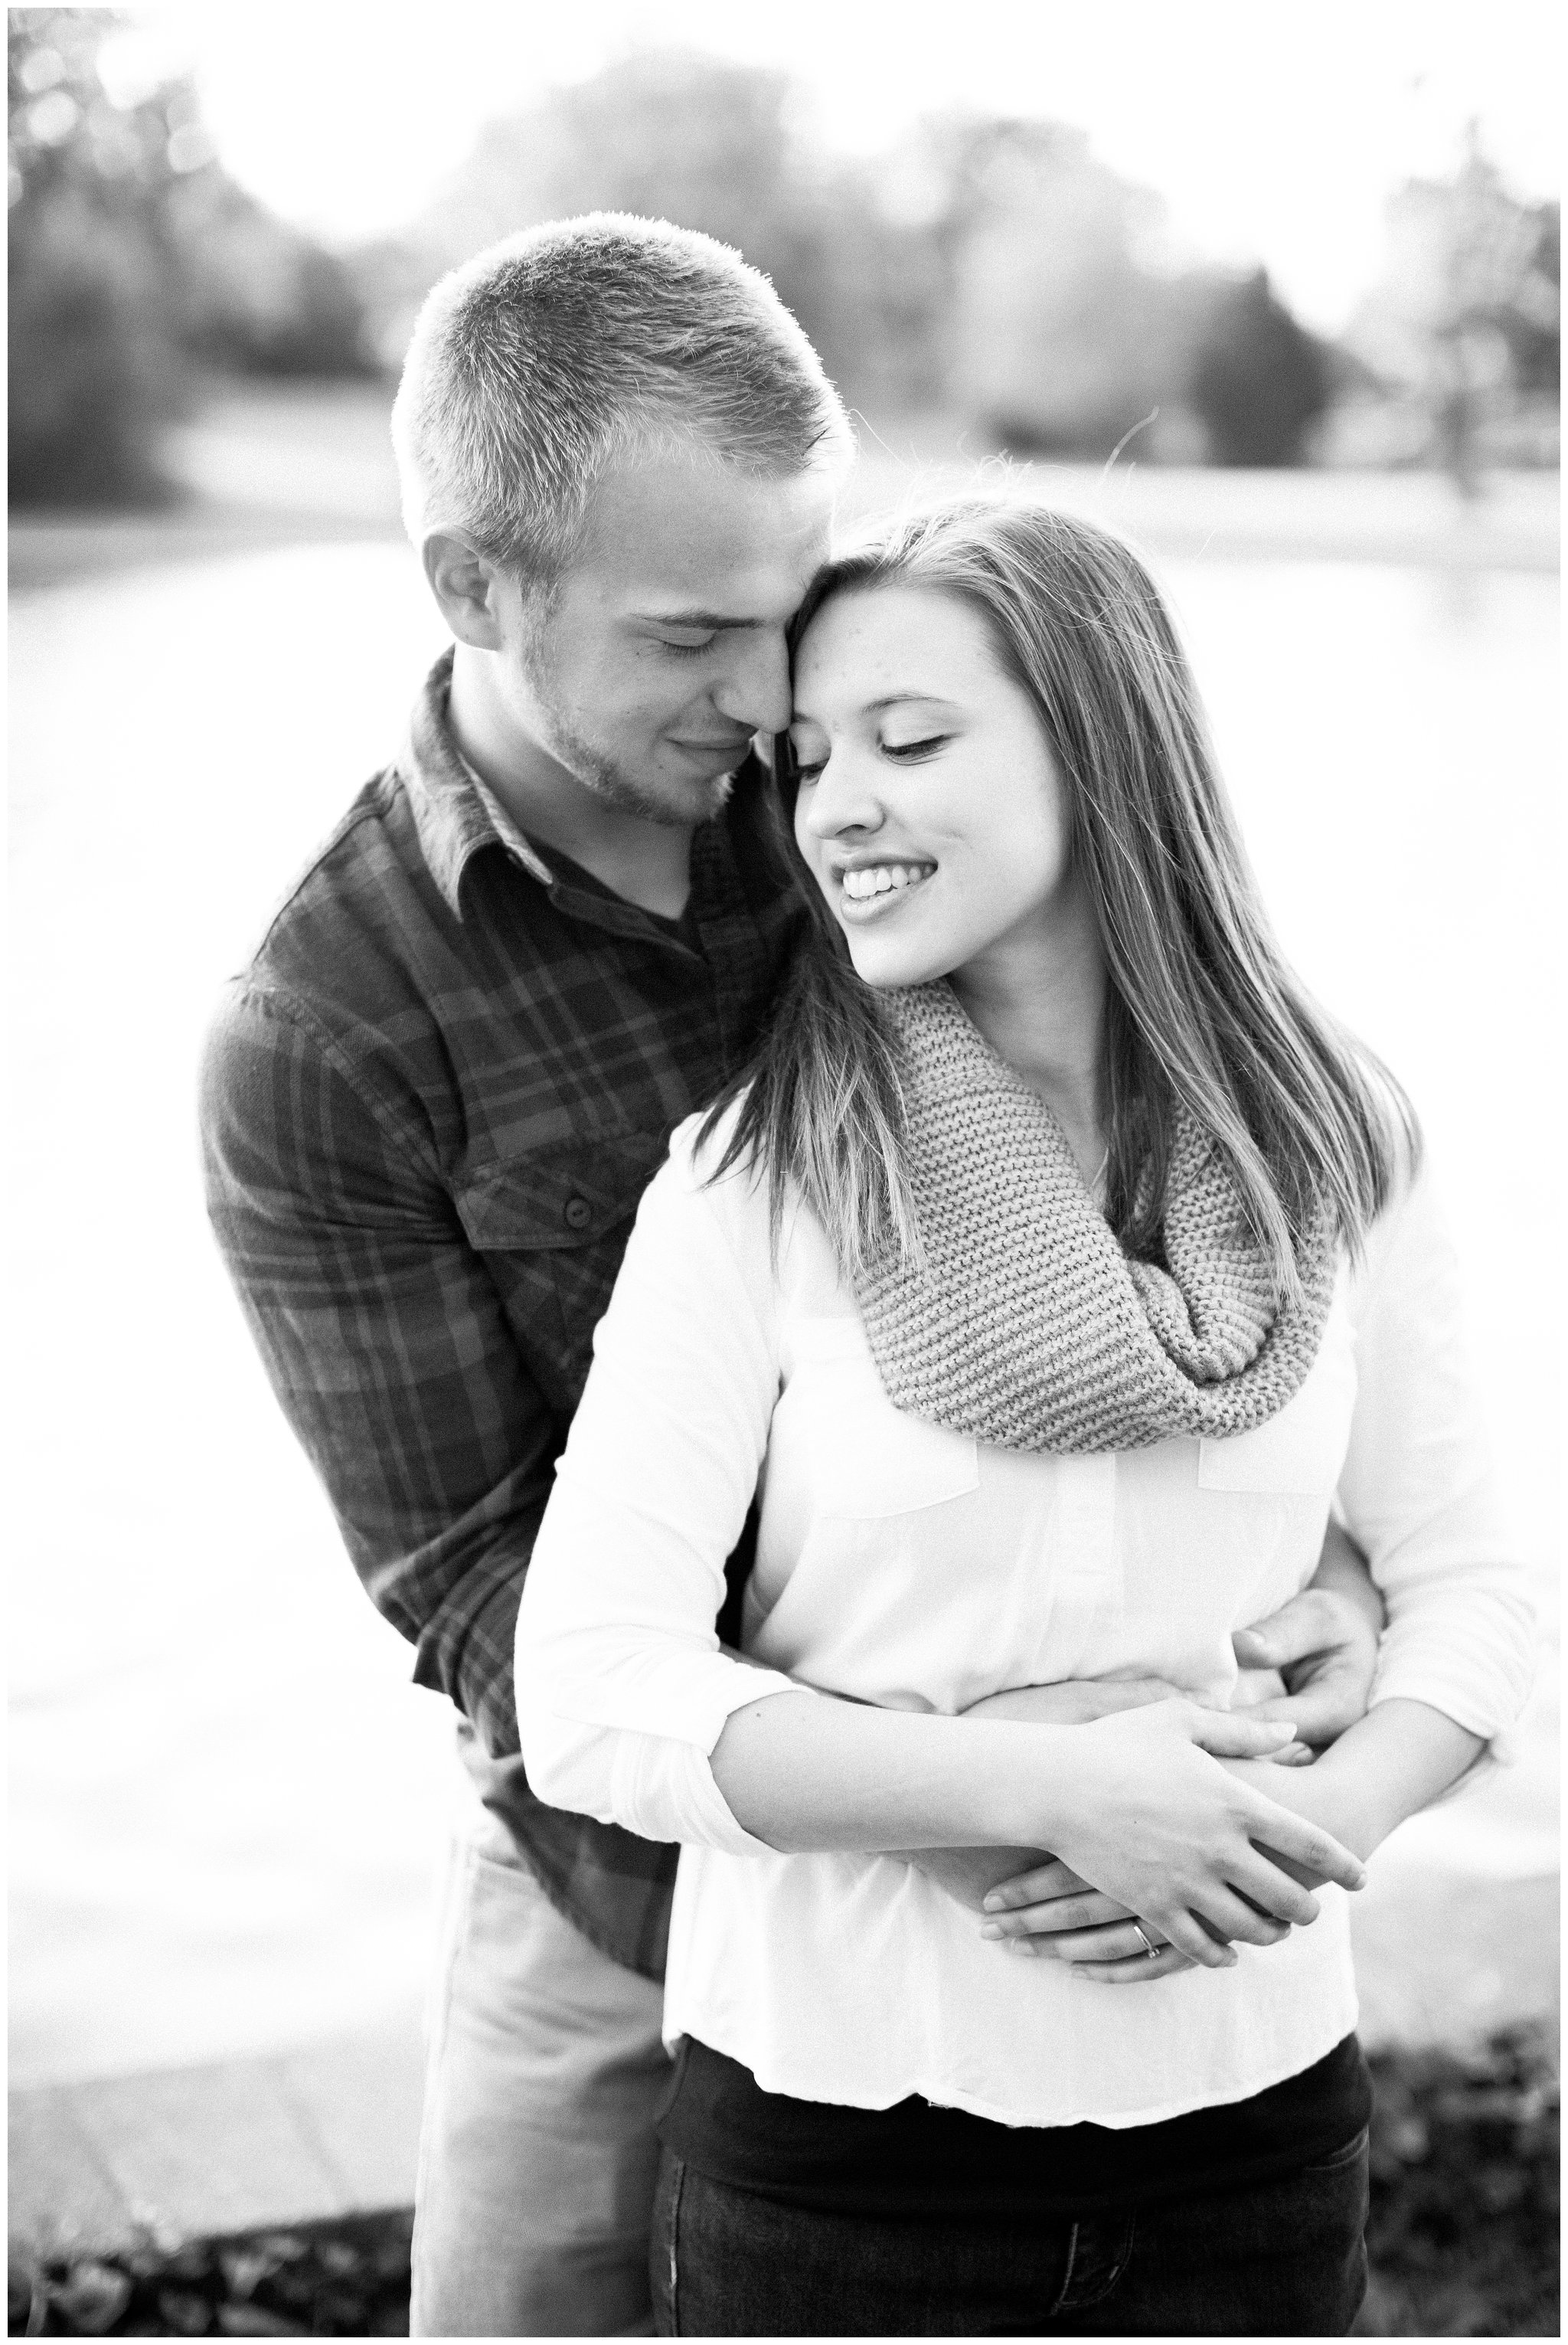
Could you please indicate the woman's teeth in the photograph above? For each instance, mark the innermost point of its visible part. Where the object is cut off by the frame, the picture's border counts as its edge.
(882, 878)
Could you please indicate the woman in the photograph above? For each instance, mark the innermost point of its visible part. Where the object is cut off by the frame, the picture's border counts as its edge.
(1053, 1266)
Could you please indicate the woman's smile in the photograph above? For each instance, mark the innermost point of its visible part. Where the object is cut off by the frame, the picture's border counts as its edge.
(871, 888)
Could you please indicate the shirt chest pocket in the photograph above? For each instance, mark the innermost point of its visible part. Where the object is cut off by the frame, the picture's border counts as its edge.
(552, 1226)
(1299, 1452)
(866, 1459)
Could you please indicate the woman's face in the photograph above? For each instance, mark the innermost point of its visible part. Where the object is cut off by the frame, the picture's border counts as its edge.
(931, 811)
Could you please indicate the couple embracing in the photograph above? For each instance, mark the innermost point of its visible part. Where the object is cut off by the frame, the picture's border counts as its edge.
(943, 1608)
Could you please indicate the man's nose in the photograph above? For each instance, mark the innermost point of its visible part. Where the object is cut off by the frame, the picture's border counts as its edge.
(756, 689)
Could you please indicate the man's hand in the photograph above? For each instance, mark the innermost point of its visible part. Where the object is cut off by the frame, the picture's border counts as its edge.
(969, 1875)
(1324, 1644)
(1326, 1651)
(1050, 1911)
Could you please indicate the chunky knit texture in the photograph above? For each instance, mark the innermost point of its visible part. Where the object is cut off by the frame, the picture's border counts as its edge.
(1025, 1324)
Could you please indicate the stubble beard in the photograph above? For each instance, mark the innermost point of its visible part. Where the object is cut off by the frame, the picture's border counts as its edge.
(703, 802)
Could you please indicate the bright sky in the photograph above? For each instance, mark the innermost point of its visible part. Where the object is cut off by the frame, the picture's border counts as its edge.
(1273, 132)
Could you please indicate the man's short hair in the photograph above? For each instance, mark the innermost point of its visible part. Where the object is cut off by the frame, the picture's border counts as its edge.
(548, 357)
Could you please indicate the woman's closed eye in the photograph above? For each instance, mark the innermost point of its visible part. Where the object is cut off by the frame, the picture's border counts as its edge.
(901, 751)
(904, 753)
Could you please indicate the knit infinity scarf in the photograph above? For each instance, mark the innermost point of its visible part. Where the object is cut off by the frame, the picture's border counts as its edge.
(1025, 1324)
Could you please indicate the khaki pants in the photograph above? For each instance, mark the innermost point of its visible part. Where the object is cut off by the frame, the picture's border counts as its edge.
(537, 2154)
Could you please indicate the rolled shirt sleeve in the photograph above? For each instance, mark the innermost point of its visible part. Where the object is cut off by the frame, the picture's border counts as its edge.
(623, 1689)
(1417, 1488)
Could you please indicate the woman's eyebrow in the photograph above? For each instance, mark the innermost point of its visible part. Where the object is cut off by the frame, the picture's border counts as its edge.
(886, 700)
(892, 699)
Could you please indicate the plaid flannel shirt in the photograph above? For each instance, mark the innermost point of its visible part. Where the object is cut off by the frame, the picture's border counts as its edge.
(430, 1107)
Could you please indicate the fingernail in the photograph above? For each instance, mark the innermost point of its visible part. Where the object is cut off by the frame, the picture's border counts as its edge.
(991, 1905)
(991, 1930)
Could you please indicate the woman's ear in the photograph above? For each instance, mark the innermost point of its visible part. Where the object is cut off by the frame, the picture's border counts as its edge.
(465, 586)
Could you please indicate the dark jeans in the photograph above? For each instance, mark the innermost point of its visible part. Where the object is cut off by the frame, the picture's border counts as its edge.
(1280, 2258)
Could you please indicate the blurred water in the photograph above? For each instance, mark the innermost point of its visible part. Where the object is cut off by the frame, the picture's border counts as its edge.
(227, 1801)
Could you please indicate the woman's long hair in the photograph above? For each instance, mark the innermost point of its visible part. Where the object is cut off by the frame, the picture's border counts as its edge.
(1203, 1011)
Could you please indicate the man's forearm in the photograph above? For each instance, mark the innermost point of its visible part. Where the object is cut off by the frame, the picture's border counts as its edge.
(1343, 1569)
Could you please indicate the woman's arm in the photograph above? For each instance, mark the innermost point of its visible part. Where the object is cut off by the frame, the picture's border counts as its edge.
(1391, 1764)
(1134, 1797)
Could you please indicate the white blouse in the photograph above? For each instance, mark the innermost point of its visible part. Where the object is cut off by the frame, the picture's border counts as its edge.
(907, 1565)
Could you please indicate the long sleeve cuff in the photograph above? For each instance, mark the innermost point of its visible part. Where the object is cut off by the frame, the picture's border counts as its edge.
(630, 1743)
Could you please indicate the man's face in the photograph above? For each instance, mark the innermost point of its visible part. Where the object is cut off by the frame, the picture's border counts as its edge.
(662, 650)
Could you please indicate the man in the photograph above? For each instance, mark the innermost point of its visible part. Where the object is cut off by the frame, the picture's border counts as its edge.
(537, 941)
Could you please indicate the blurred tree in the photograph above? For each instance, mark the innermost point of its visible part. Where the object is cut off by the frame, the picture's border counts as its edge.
(95, 298)
(1463, 330)
(1059, 340)
(1067, 339)
(713, 145)
(1258, 380)
(993, 266)
(132, 255)
(264, 298)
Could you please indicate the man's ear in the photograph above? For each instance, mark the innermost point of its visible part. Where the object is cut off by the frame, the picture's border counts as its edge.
(467, 588)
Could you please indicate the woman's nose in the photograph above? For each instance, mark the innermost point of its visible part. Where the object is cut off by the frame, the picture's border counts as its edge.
(843, 797)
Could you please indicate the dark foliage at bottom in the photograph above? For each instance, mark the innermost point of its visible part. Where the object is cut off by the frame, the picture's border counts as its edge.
(347, 2279)
(1463, 2236)
(1463, 2232)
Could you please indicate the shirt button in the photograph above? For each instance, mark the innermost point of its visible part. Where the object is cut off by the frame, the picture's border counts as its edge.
(579, 1213)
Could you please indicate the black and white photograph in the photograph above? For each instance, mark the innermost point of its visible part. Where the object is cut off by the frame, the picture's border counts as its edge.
(784, 813)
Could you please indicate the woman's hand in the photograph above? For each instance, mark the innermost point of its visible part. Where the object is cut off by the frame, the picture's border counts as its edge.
(1077, 1701)
(1148, 1829)
(968, 1874)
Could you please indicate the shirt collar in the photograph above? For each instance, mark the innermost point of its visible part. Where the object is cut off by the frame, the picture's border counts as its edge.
(455, 815)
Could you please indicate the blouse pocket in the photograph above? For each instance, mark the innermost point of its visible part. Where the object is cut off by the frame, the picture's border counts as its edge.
(869, 1459)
